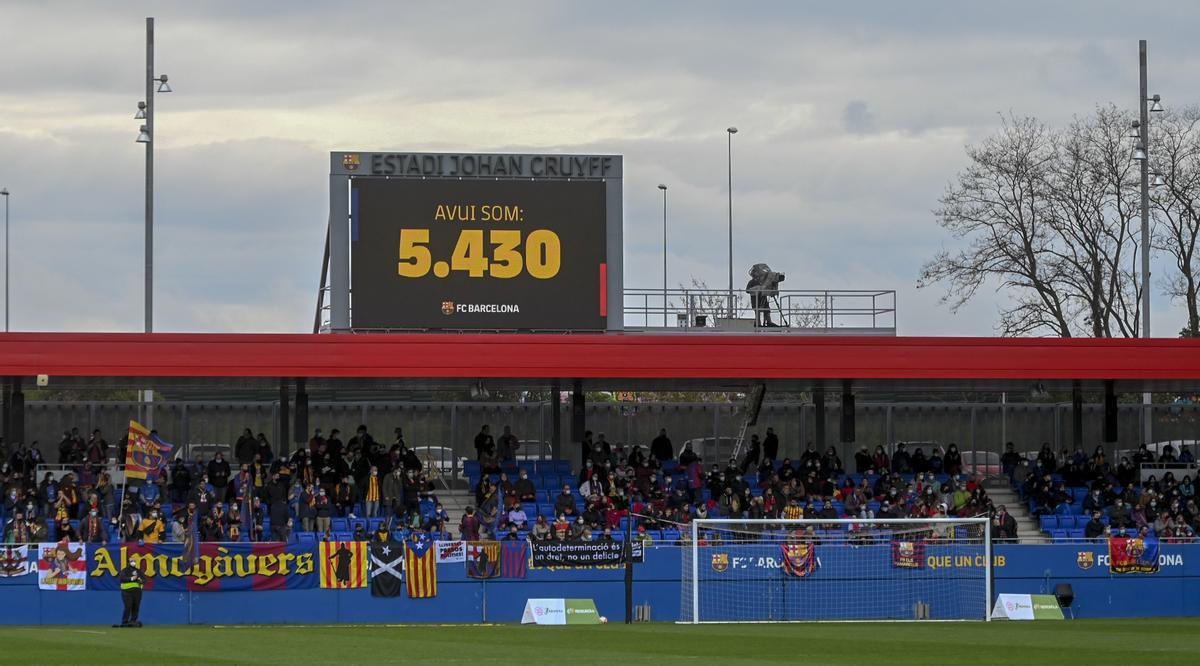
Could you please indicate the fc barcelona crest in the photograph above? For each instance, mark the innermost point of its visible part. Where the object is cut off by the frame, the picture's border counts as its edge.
(447, 307)
(1086, 559)
(720, 562)
(350, 161)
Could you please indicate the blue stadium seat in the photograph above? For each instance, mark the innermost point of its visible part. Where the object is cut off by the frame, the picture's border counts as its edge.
(1076, 533)
(670, 536)
(562, 466)
(1048, 523)
(338, 525)
(1058, 535)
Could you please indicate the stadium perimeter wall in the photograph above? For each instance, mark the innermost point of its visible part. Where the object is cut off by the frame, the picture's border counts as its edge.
(1173, 591)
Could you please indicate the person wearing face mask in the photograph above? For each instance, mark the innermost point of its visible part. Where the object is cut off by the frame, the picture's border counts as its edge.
(92, 528)
(524, 488)
(218, 475)
(324, 509)
(372, 492)
(152, 527)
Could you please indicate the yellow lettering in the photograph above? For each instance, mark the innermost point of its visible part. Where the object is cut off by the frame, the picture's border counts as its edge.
(266, 565)
(222, 564)
(104, 563)
(998, 561)
(202, 570)
(304, 563)
(284, 559)
(244, 565)
(440, 213)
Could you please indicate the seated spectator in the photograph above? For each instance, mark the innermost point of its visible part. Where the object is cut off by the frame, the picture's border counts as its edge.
(564, 504)
(562, 528)
(540, 530)
(524, 489)
(1094, 528)
(606, 535)
(382, 534)
(578, 528)
(643, 536)
(1094, 502)
(1118, 515)
(517, 518)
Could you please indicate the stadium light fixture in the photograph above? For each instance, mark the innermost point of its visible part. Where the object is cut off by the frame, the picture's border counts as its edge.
(141, 112)
(163, 87)
(730, 131)
(1139, 153)
(143, 135)
(1158, 180)
(1155, 104)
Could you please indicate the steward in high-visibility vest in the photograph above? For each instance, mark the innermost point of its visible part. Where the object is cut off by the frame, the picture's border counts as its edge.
(132, 581)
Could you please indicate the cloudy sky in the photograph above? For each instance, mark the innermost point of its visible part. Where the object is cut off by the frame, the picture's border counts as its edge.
(852, 118)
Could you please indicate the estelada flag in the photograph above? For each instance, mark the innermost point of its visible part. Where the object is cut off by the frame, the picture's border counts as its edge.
(343, 564)
(387, 563)
(799, 559)
(483, 559)
(1133, 554)
(908, 554)
(145, 453)
(514, 558)
(420, 563)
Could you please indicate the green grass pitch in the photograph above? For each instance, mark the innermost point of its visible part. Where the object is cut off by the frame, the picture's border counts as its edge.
(1091, 642)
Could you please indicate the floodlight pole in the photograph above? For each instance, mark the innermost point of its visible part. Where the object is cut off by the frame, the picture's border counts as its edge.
(665, 307)
(1144, 128)
(729, 155)
(5, 194)
(149, 245)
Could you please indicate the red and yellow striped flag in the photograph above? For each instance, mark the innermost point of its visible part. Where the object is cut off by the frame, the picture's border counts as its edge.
(420, 569)
(343, 564)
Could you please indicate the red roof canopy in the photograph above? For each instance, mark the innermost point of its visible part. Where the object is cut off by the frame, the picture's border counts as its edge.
(610, 359)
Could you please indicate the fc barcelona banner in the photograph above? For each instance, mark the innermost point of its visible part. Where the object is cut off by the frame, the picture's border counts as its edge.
(908, 554)
(145, 454)
(217, 567)
(1133, 554)
(581, 553)
(799, 559)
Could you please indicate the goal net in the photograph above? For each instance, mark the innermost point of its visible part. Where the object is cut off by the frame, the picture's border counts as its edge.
(778, 570)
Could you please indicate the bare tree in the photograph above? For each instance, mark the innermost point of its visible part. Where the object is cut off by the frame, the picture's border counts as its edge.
(1048, 216)
(1175, 145)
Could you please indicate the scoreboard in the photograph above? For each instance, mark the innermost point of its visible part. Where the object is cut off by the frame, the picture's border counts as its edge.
(481, 241)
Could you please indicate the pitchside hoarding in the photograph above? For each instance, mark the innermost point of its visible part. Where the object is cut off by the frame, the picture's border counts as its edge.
(481, 242)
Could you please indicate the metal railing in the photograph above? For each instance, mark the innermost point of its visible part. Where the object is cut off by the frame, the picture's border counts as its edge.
(823, 311)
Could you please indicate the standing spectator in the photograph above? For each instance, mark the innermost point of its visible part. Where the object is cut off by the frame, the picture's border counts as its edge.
(308, 508)
(862, 460)
(316, 441)
(752, 454)
(468, 527)
(508, 444)
(218, 475)
(771, 445)
(485, 446)
(1004, 526)
(245, 448)
(660, 447)
(92, 529)
(324, 511)
(372, 493)
(393, 491)
(152, 528)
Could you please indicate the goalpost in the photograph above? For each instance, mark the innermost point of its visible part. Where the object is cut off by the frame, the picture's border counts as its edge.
(847, 569)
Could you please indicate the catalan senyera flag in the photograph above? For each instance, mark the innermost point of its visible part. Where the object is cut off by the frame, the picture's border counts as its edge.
(420, 567)
(145, 453)
(344, 564)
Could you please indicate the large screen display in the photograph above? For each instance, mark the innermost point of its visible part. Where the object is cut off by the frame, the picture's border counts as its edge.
(443, 253)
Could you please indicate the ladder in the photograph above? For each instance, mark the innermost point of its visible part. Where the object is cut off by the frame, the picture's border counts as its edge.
(741, 437)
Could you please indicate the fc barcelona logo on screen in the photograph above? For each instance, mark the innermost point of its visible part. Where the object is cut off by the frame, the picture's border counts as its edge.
(1086, 559)
(447, 307)
(350, 161)
(720, 562)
